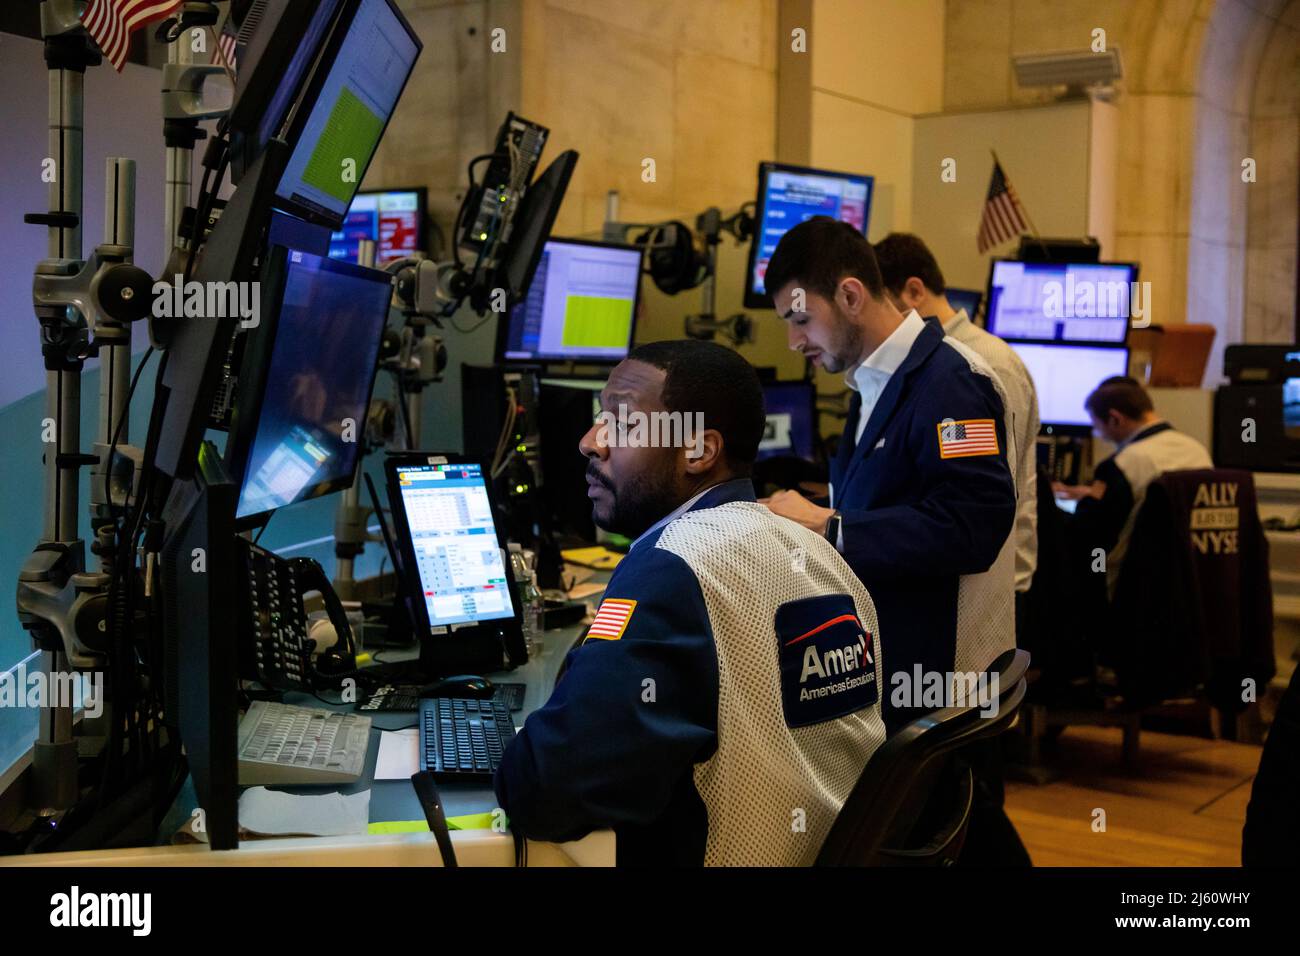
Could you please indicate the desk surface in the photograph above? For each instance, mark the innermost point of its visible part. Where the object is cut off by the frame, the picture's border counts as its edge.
(392, 800)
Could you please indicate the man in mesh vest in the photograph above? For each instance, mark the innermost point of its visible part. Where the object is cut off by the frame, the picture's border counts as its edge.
(725, 700)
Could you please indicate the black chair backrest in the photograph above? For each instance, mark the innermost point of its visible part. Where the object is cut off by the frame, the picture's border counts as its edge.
(897, 774)
(1192, 611)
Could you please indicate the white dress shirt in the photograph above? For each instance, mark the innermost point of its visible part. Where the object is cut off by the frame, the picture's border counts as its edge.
(869, 377)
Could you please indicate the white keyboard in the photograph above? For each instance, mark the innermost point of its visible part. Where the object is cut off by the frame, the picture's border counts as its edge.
(284, 744)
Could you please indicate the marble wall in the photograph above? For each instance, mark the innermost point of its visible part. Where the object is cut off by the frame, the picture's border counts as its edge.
(1206, 84)
(689, 85)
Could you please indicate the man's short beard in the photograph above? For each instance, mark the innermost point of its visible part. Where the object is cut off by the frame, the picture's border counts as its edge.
(848, 342)
(643, 500)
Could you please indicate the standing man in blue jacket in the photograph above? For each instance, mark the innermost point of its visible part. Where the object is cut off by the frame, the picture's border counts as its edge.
(922, 497)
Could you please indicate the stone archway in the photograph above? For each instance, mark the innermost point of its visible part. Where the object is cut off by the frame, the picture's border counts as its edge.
(1237, 277)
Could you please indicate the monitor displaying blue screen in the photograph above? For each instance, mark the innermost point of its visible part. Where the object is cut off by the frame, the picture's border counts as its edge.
(307, 431)
(1062, 301)
(787, 195)
(791, 420)
(453, 534)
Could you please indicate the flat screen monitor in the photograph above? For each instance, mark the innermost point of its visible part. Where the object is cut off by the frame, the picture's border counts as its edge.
(1291, 408)
(308, 371)
(444, 516)
(351, 102)
(787, 195)
(1086, 302)
(791, 420)
(1064, 375)
(581, 305)
(276, 49)
(392, 219)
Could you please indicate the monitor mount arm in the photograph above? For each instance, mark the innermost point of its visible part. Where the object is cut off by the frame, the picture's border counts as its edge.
(182, 103)
(738, 328)
(418, 359)
(676, 264)
(83, 307)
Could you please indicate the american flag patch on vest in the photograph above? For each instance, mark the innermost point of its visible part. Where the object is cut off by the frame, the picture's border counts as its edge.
(612, 619)
(975, 436)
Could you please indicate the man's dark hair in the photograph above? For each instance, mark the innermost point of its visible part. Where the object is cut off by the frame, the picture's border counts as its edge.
(901, 256)
(1121, 394)
(712, 379)
(817, 254)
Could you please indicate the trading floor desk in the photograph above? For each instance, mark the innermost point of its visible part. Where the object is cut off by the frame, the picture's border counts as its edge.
(390, 800)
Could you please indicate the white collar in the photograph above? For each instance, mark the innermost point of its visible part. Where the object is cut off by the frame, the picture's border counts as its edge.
(889, 355)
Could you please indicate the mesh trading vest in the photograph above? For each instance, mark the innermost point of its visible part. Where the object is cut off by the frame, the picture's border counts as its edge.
(986, 603)
(771, 791)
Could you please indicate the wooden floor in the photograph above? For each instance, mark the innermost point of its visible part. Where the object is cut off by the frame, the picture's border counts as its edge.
(1185, 807)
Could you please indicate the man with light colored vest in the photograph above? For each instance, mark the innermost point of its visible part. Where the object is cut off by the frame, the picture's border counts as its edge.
(913, 280)
(1146, 446)
(726, 698)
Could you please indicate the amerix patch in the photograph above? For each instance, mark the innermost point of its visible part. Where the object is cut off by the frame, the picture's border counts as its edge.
(965, 439)
(828, 669)
(611, 619)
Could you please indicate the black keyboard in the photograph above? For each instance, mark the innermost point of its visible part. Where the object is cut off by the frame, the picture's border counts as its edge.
(463, 739)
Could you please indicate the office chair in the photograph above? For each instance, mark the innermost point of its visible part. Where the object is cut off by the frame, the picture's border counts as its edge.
(1168, 650)
(886, 821)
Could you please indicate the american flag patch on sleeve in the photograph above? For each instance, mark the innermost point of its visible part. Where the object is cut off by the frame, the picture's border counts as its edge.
(611, 619)
(964, 439)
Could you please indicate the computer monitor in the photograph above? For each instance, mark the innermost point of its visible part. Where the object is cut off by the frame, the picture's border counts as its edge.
(1064, 375)
(581, 305)
(787, 195)
(533, 222)
(304, 389)
(968, 299)
(791, 420)
(1085, 302)
(350, 105)
(444, 517)
(277, 46)
(393, 219)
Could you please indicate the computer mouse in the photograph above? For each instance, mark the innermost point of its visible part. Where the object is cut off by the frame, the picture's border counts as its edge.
(462, 685)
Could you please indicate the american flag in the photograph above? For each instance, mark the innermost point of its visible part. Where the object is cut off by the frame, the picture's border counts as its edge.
(975, 436)
(611, 620)
(226, 44)
(111, 23)
(1003, 216)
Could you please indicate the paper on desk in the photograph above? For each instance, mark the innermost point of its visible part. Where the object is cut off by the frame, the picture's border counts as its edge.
(598, 557)
(580, 591)
(399, 754)
(273, 812)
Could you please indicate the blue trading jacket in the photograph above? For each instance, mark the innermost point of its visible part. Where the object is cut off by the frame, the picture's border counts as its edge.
(916, 524)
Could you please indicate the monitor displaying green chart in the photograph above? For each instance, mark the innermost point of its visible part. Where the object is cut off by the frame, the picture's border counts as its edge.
(581, 306)
(348, 116)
